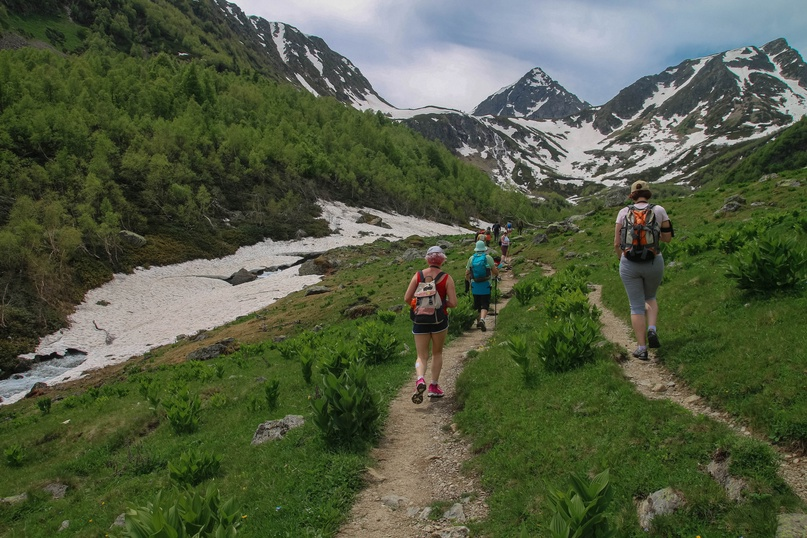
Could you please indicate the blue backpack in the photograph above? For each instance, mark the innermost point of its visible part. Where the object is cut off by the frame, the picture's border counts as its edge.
(480, 272)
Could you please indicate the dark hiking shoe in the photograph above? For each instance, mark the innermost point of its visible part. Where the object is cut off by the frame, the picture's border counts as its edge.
(652, 339)
(420, 388)
(641, 354)
(481, 325)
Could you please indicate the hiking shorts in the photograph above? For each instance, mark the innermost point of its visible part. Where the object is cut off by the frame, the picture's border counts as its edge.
(641, 281)
(482, 302)
(430, 328)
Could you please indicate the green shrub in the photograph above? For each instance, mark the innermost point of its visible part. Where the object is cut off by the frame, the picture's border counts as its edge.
(569, 279)
(386, 317)
(271, 390)
(572, 302)
(462, 316)
(524, 292)
(15, 455)
(334, 359)
(289, 349)
(150, 389)
(567, 343)
(307, 363)
(347, 412)
(769, 263)
(517, 346)
(184, 514)
(183, 410)
(194, 466)
(376, 343)
(44, 405)
(579, 512)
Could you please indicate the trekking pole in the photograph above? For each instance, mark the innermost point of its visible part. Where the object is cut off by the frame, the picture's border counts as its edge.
(495, 300)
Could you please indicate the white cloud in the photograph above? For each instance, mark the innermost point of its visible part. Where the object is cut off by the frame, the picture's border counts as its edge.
(454, 53)
(447, 75)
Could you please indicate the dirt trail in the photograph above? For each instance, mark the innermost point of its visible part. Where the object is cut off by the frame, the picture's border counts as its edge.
(421, 455)
(656, 382)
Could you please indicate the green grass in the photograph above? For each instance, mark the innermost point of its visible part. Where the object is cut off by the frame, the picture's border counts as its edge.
(528, 440)
(742, 353)
(59, 32)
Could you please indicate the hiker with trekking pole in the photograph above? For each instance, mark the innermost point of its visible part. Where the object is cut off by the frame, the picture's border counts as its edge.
(639, 229)
(478, 271)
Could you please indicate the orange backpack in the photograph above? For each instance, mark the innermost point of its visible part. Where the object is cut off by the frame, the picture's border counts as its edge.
(640, 234)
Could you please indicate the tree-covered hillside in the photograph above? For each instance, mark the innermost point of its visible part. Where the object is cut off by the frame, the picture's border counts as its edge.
(198, 159)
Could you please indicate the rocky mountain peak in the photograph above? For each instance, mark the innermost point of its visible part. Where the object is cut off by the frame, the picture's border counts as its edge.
(535, 96)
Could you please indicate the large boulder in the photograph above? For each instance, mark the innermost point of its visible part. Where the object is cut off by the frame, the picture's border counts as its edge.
(274, 430)
(131, 238)
(222, 347)
(241, 276)
(318, 266)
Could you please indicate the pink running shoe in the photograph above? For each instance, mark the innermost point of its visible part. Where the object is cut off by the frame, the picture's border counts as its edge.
(420, 388)
(435, 391)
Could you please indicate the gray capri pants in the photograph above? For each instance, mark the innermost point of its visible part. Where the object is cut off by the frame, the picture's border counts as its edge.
(641, 280)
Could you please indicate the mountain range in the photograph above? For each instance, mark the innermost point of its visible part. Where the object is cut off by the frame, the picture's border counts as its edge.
(534, 135)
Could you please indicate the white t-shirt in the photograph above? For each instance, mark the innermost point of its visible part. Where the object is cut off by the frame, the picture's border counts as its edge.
(660, 212)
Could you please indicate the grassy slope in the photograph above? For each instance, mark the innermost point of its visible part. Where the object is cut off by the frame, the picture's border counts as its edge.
(113, 450)
(744, 354)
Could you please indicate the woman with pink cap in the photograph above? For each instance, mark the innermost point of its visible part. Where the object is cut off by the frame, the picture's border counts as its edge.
(431, 334)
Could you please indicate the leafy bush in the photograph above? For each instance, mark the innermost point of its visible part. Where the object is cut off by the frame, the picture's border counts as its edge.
(194, 466)
(183, 410)
(44, 405)
(569, 279)
(272, 391)
(572, 302)
(462, 316)
(517, 346)
(386, 316)
(769, 263)
(15, 455)
(579, 512)
(567, 343)
(289, 349)
(184, 514)
(335, 359)
(307, 363)
(347, 412)
(150, 389)
(376, 343)
(525, 292)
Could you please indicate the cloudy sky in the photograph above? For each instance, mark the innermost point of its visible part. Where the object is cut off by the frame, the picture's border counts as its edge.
(455, 53)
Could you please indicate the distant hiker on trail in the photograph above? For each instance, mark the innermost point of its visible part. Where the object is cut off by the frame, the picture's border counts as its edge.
(488, 236)
(519, 225)
(505, 244)
(497, 229)
(509, 226)
(478, 271)
(639, 228)
(430, 293)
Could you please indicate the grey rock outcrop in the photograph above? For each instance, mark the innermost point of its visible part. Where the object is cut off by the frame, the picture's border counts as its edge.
(276, 429)
(241, 276)
(662, 502)
(222, 347)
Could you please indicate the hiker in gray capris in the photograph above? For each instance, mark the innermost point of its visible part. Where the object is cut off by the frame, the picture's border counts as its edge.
(641, 281)
(641, 269)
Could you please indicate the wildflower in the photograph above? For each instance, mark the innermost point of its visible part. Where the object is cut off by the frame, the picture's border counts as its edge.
(244, 516)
